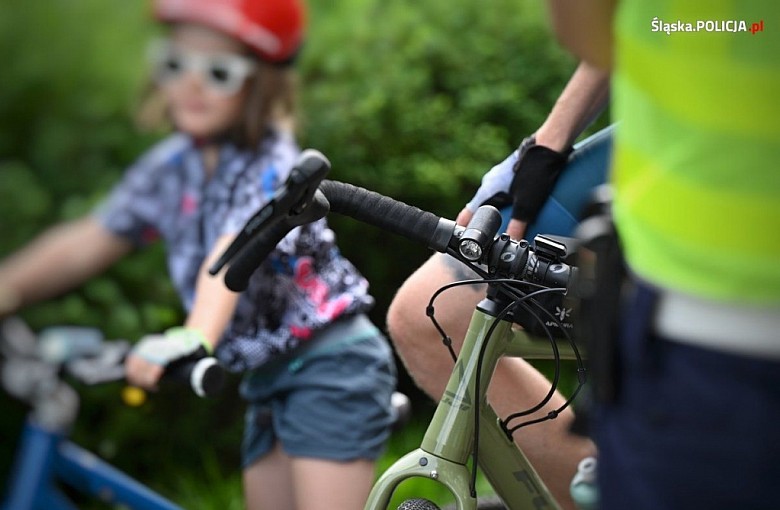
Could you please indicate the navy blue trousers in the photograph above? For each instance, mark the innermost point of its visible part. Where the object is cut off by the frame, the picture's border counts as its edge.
(690, 428)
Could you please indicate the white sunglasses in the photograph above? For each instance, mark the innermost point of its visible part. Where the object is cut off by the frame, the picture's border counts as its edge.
(223, 72)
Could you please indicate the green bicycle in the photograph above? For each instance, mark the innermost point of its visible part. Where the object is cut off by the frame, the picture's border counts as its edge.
(527, 284)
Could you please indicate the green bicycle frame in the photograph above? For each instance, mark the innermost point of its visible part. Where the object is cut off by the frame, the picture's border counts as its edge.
(448, 441)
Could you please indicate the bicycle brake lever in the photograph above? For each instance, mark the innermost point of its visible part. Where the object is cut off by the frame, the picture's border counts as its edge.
(106, 366)
(249, 258)
(291, 199)
(307, 175)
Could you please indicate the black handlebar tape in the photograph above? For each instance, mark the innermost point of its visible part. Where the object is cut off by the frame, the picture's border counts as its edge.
(204, 375)
(388, 214)
(253, 254)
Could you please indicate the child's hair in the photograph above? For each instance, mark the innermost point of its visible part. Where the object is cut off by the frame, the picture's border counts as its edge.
(272, 31)
(272, 102)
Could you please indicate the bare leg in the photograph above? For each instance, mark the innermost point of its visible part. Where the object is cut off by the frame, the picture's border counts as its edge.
(515, 386)
(268, 483)
(330, 485)
(281, 482)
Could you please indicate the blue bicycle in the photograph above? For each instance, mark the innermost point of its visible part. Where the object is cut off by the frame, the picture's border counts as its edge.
(32, 371)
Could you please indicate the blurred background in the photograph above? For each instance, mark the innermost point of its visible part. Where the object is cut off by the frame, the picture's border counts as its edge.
(416, 100)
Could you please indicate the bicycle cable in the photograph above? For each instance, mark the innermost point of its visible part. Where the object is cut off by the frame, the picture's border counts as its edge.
(477, 384)
(581, 380)
(519, 300)
(556, 353)
(508, 287)
(430, 310)
(581, 375)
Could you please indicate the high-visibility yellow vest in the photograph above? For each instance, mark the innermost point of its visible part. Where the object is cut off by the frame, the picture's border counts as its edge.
(697, 154)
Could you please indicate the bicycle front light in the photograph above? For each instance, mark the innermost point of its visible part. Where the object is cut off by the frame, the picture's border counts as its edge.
(480, 232)
(470, 249)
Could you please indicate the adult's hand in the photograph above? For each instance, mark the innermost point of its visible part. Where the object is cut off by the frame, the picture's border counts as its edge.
(525, 180)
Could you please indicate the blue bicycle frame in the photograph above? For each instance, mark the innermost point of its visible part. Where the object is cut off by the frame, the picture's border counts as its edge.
(45, 457)
(46, 460)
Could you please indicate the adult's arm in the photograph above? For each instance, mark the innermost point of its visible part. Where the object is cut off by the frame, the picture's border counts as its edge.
(582, 99)
(584, 27)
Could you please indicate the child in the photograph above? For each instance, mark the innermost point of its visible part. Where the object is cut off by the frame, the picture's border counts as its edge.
(318, 375)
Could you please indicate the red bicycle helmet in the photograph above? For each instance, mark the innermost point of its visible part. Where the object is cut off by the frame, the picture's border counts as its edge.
(272, 28)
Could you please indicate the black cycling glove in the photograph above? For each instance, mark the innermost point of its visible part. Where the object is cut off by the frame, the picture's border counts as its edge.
(536, 171)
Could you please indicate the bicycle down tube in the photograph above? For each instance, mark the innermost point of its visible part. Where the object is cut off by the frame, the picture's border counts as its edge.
(448, 441)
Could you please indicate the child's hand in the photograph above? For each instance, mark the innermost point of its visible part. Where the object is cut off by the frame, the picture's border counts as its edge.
(147, 361)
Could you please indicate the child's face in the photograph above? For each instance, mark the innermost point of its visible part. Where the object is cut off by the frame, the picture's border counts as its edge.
(203, 76)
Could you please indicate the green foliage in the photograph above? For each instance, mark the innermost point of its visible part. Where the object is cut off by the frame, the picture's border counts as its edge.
(417, 100)
(66, 135)
(67, 98)
(413, 99)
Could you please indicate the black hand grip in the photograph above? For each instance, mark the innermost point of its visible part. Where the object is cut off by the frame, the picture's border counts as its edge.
(388, 214)
(204, 374)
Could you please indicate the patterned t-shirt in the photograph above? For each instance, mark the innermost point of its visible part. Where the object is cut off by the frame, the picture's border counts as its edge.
(303, 285)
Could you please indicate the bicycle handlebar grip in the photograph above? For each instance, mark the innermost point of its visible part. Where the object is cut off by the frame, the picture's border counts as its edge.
(388, 214)
(205, 375)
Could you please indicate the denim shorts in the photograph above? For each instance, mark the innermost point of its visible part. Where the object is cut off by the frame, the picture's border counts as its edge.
(330, 400)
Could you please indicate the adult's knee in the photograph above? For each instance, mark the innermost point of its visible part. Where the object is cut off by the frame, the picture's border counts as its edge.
(404, 318)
